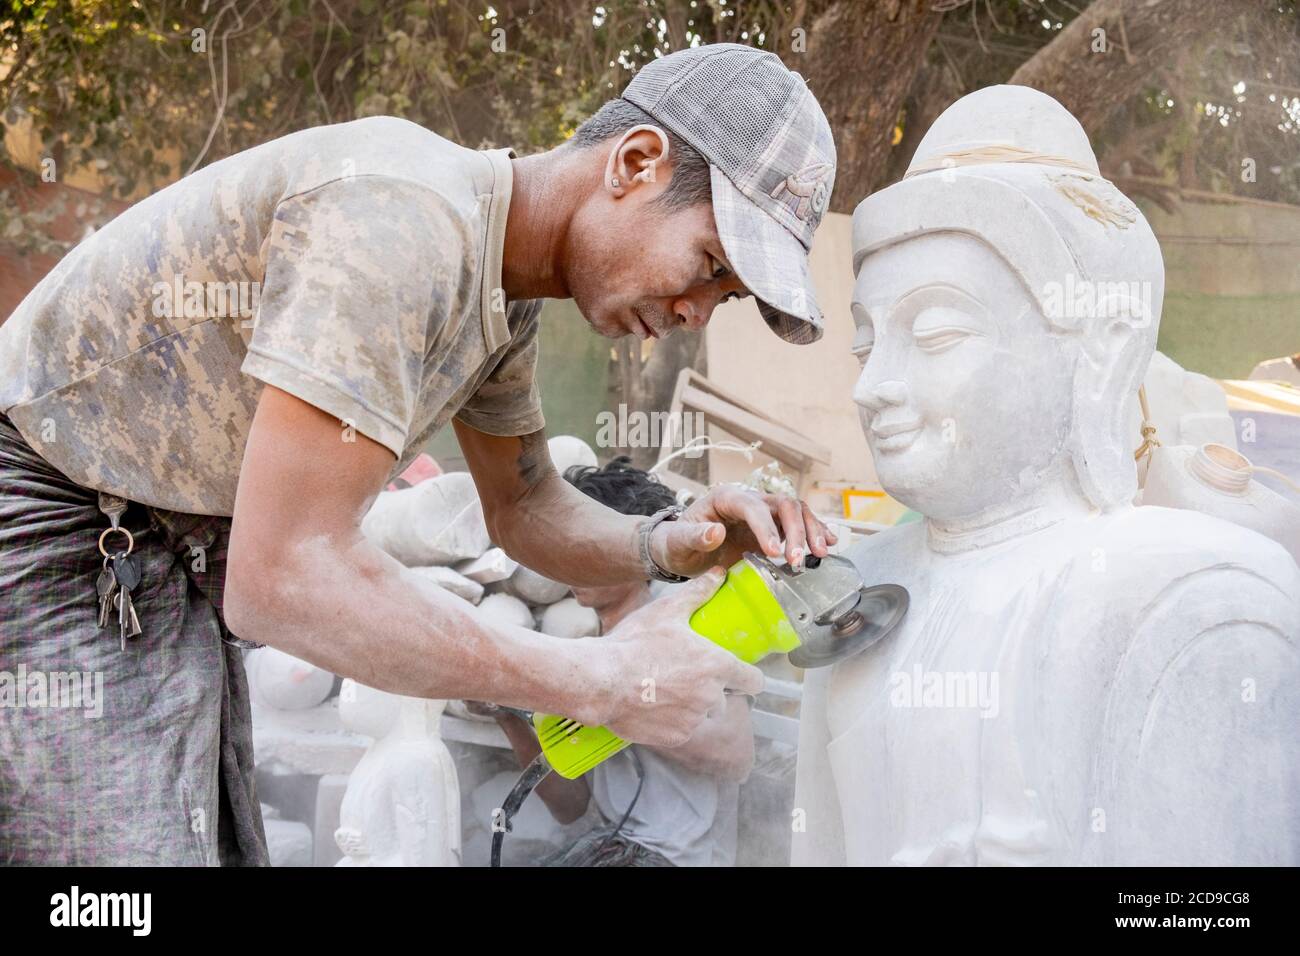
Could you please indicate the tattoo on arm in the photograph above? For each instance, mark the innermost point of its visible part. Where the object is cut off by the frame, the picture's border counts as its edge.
(534, 462)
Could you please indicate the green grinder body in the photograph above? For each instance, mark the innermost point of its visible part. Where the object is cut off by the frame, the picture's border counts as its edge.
(742, 617)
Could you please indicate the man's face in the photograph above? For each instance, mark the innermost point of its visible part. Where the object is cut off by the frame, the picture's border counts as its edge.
(637, 267)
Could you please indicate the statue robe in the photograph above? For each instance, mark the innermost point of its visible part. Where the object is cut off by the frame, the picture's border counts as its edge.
(1140, 678)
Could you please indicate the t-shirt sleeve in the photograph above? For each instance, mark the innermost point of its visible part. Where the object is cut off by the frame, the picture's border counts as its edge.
(358, 275)
(508, 401)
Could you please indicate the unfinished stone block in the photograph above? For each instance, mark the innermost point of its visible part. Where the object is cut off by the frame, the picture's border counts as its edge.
(452, 580)
(284, 682)
(569, 450)
(439, 521)
(288, 842)
(489, 568)
(568, 618)
(507, 609)
(311, 741)
(527, 585)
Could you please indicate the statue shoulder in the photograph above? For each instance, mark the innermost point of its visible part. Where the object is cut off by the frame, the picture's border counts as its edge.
(1148, 584)
(1183, 542)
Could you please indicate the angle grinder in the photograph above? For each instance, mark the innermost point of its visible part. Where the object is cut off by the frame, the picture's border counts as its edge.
(818, 617)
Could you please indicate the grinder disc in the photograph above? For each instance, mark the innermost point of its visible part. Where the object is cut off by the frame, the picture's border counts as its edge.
(880, 609)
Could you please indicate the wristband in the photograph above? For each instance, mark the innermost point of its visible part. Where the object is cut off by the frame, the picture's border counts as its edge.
(652, 569)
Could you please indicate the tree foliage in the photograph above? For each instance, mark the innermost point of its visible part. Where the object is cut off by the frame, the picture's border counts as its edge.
(144, 90)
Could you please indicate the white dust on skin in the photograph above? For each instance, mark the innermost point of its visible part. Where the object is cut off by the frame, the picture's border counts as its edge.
(329, 615)
(344, 605)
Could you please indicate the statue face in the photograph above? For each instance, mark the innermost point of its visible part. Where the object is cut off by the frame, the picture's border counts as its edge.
(965, 391)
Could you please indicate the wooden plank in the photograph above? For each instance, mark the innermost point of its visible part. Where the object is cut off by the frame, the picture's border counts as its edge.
(695, 380)
(778, 441)
(670, 442)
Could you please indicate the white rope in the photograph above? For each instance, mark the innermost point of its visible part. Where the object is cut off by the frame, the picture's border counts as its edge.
(995, 153)
(704, 444)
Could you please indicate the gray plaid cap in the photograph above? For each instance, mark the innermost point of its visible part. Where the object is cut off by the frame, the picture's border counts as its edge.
(772, 159)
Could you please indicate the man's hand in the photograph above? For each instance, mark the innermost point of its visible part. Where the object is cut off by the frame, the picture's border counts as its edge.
(728, 521)
(545, 523)
(666, 678)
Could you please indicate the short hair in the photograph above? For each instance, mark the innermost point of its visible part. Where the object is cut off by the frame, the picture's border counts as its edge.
(691, 182)
(620, 486)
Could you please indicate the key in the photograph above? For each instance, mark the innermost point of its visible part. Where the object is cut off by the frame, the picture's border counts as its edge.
(126, 571)
(127, 621)
(106, 587)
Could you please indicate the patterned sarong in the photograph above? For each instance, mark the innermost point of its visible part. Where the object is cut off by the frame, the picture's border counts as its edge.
(142, 757)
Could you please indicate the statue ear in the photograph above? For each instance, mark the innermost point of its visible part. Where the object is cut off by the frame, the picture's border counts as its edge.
(1116, 342)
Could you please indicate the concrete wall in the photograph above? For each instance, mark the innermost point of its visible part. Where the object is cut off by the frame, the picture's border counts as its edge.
(1232, 284)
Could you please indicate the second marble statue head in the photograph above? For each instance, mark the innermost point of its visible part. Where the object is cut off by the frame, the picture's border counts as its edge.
(1006, 307)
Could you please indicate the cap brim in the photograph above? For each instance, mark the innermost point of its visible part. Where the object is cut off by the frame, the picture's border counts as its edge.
(770, 261)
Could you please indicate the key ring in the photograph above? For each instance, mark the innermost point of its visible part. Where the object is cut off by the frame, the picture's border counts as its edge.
(130, 540)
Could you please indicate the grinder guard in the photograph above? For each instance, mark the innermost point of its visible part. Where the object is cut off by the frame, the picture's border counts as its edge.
(833, 613)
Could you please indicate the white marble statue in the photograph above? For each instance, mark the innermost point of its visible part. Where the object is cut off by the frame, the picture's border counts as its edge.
(1078, 680)
(402, 805)
(1219, 481)
(281, 681)
(438, 521)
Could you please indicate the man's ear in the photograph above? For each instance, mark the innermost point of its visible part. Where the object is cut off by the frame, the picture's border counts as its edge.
(634, 158)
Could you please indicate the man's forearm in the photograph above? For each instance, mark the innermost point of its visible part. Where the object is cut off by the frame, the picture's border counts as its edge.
(544, 522)
(558, 531)
(344, 605)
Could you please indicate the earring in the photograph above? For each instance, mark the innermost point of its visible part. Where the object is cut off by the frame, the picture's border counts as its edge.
(613, 181)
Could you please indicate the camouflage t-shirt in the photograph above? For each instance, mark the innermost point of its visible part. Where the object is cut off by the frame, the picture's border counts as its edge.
(356, 266)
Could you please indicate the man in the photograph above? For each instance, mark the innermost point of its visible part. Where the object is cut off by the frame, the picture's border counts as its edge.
(659, 806)
(397, 278)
